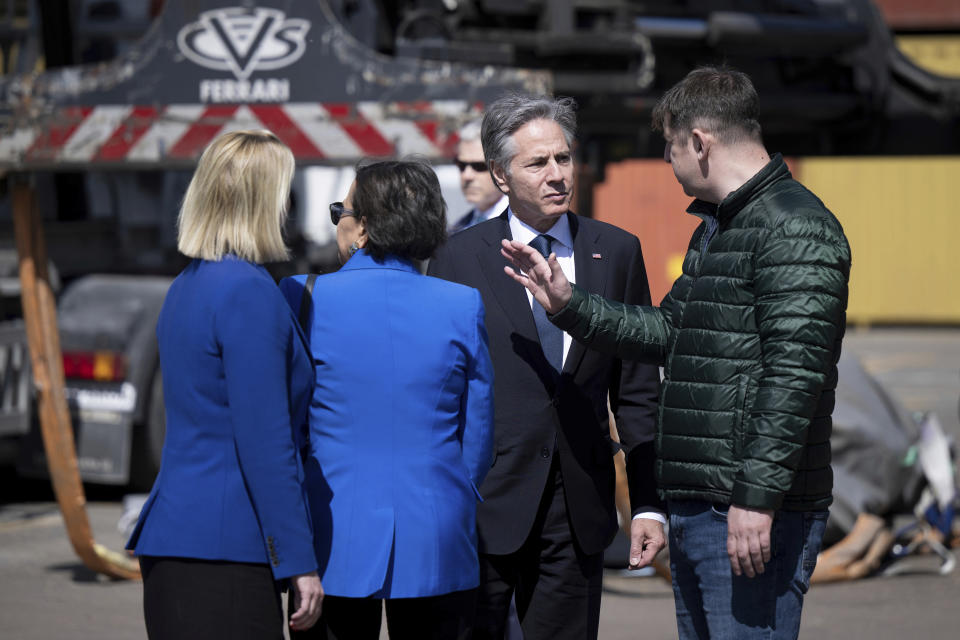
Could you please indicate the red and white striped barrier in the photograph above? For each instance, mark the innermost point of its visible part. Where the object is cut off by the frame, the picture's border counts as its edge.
(332, 133)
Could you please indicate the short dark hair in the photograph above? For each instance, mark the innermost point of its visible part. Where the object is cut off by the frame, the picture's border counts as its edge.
(504, 116)
(721, 100)
(404, 211)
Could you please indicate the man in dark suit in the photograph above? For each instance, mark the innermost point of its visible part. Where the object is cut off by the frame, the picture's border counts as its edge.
(548, 510)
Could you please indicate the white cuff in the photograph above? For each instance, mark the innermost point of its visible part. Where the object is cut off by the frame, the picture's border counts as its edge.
(651, 515)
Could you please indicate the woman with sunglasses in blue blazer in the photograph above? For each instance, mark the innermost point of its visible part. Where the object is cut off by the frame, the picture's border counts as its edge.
(401, 420)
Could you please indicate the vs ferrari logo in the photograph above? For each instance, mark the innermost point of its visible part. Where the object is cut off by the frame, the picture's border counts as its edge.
(244, 40)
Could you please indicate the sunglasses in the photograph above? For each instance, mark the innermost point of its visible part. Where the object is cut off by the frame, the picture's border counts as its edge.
(337, 210)
(479, 167)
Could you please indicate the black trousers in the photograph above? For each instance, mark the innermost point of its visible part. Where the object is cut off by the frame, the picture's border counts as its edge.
(557, 587)
(187, 599)
(446, 617)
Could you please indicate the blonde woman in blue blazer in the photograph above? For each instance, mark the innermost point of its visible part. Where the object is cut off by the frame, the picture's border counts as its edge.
(227, 521)
(401, 421)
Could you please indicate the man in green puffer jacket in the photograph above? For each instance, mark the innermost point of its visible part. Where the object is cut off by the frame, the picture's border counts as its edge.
(748, 337)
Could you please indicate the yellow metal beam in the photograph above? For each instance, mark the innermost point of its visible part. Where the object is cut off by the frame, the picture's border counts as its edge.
(936, 54)
(899, 214)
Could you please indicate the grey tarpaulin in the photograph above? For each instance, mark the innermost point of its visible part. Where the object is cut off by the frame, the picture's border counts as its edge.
(872, 436)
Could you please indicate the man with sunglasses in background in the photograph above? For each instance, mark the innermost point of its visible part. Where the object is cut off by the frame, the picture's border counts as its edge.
(475, 180)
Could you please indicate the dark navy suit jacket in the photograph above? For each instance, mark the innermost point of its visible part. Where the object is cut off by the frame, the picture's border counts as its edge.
(539, 415)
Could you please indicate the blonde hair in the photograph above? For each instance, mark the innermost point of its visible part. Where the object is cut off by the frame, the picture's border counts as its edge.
(237, 199)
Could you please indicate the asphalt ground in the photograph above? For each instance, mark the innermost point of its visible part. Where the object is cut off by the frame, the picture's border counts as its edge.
(45, 592)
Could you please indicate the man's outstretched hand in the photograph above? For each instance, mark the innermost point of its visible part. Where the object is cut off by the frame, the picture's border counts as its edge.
(543, 278)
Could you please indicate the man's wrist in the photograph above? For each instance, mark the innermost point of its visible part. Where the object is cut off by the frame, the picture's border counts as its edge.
(566, 316)
(651, 515)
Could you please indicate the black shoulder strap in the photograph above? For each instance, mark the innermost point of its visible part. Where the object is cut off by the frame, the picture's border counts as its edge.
(306, 302)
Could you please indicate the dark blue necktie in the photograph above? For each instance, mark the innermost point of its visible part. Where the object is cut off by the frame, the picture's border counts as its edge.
(551, 338)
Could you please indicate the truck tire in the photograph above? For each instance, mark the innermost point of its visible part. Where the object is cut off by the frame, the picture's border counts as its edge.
(148, 439)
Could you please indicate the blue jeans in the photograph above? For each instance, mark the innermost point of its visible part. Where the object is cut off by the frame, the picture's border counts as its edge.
(712, 602)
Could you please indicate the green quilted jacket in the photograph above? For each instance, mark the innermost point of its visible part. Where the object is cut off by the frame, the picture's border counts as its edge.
(749, 339)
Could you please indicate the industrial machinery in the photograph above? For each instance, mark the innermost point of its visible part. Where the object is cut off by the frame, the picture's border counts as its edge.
(97, 148)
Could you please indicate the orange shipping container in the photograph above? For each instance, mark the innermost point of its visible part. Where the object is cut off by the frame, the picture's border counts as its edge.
(898, 214)
(936, 15)
(643, 197)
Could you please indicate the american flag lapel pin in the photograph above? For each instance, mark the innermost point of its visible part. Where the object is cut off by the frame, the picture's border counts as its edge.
(596, 256)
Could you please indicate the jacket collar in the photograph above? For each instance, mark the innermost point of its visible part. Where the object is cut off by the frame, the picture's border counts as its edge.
(561, 231)
(363, 260)
(774, 171)
(495, 234)
(233, 259)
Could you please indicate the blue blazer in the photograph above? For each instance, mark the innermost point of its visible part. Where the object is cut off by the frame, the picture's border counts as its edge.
(401, 428)
(236, 385)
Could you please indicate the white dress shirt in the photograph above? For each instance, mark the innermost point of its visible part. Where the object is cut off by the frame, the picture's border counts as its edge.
(562, 246)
